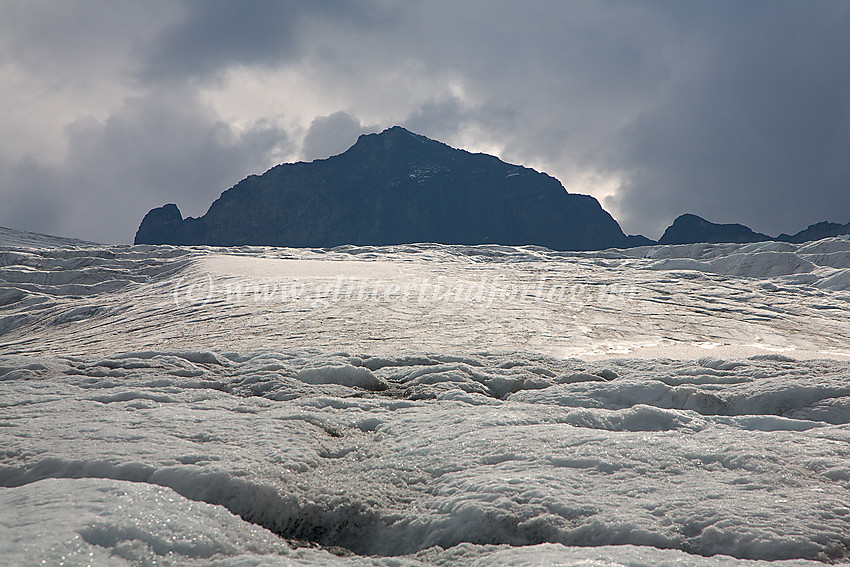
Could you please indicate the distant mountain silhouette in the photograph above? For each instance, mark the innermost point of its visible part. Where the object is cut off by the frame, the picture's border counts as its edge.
(395, 187)
(816, 231)
(690, 229)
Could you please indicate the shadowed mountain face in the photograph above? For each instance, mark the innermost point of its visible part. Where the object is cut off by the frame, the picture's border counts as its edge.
(690, 229)
(395, 187)
(816, 231)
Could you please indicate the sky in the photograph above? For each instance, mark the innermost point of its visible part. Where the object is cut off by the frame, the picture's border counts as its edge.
(735, 111)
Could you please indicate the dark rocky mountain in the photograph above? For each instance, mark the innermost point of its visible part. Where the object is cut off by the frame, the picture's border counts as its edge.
(816, 232)
(634, 240)
(689, 229)
(395, 187)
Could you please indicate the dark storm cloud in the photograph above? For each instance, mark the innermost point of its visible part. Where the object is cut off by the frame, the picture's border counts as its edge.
(443, 119)
(77, 38)
(757, 130)
(154, 149)
(331, 135)
(213, 35)
(737, 111)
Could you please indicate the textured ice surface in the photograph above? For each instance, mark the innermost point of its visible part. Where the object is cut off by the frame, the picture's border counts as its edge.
(725, 300)
(424, 405)
(100, 522)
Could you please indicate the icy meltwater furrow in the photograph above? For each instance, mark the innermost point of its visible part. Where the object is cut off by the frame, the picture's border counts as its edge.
(424, 404)
(115, 523)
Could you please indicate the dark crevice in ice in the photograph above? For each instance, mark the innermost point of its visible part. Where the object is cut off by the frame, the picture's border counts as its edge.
(345, 526)
(342, 526)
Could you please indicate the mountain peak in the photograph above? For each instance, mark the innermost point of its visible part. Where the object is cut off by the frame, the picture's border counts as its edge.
(393, 139)
(689, 229)
(398, 131)
(394, 187)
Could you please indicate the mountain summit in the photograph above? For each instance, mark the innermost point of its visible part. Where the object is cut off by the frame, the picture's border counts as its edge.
(689, 229)
(395, 187)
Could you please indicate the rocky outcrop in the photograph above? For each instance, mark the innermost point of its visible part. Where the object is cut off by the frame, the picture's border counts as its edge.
(690, 229)
(816, 232)
(158, 224)
(395, 187)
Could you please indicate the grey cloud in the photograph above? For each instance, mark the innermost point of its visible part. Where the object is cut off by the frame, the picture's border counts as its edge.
(439, 119)
(154, 149)
(213, 35)
(31, 197)
(759, 133)
(548, 82)
(735, 111)
(446, 118)
(331, 135)
(68, 39)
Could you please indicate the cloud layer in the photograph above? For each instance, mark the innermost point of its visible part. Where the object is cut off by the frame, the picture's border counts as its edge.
(739, 113)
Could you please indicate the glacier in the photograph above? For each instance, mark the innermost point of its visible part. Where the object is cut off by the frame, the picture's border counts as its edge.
(424, 404)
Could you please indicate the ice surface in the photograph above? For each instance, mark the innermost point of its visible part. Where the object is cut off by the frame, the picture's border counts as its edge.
(107, 522)
(424, 405)
(676, 301)
(354, 376)
(114, 523)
